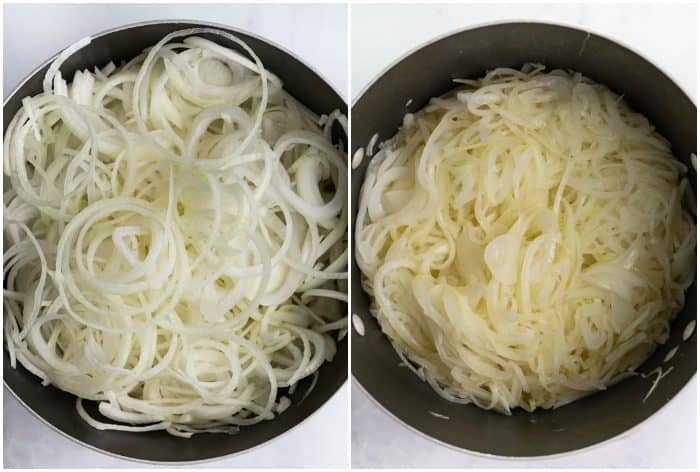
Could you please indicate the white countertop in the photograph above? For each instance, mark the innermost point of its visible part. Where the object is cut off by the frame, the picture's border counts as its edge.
(315, 33)
(664, 34)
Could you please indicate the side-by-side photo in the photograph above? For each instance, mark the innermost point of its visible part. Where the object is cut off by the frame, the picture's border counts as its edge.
(175, 216)
(349, 235)
(523, 204)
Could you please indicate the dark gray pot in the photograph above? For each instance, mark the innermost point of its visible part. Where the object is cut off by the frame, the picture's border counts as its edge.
(428, 72)
(56, 407)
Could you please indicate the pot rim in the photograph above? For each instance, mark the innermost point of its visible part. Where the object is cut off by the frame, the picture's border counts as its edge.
(486, 24)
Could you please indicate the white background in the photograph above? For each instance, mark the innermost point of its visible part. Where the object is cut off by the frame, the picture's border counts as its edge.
(664, 34)
(315, 33)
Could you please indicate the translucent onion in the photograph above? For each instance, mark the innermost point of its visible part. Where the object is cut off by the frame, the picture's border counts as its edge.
(523, 239)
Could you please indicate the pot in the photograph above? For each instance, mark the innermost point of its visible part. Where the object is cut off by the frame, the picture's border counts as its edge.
(57, 408)
(428, 72)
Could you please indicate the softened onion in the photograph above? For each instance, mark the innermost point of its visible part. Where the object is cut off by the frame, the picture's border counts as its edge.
(523, 239)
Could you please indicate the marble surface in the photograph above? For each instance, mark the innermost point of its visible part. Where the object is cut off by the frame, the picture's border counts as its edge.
(315, 33)
(664, 34)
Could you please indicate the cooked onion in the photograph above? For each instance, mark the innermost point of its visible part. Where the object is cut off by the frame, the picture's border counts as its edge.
(175, 235)
(523, 239)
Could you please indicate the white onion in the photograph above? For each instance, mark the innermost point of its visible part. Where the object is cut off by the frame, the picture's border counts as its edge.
(176, 241)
